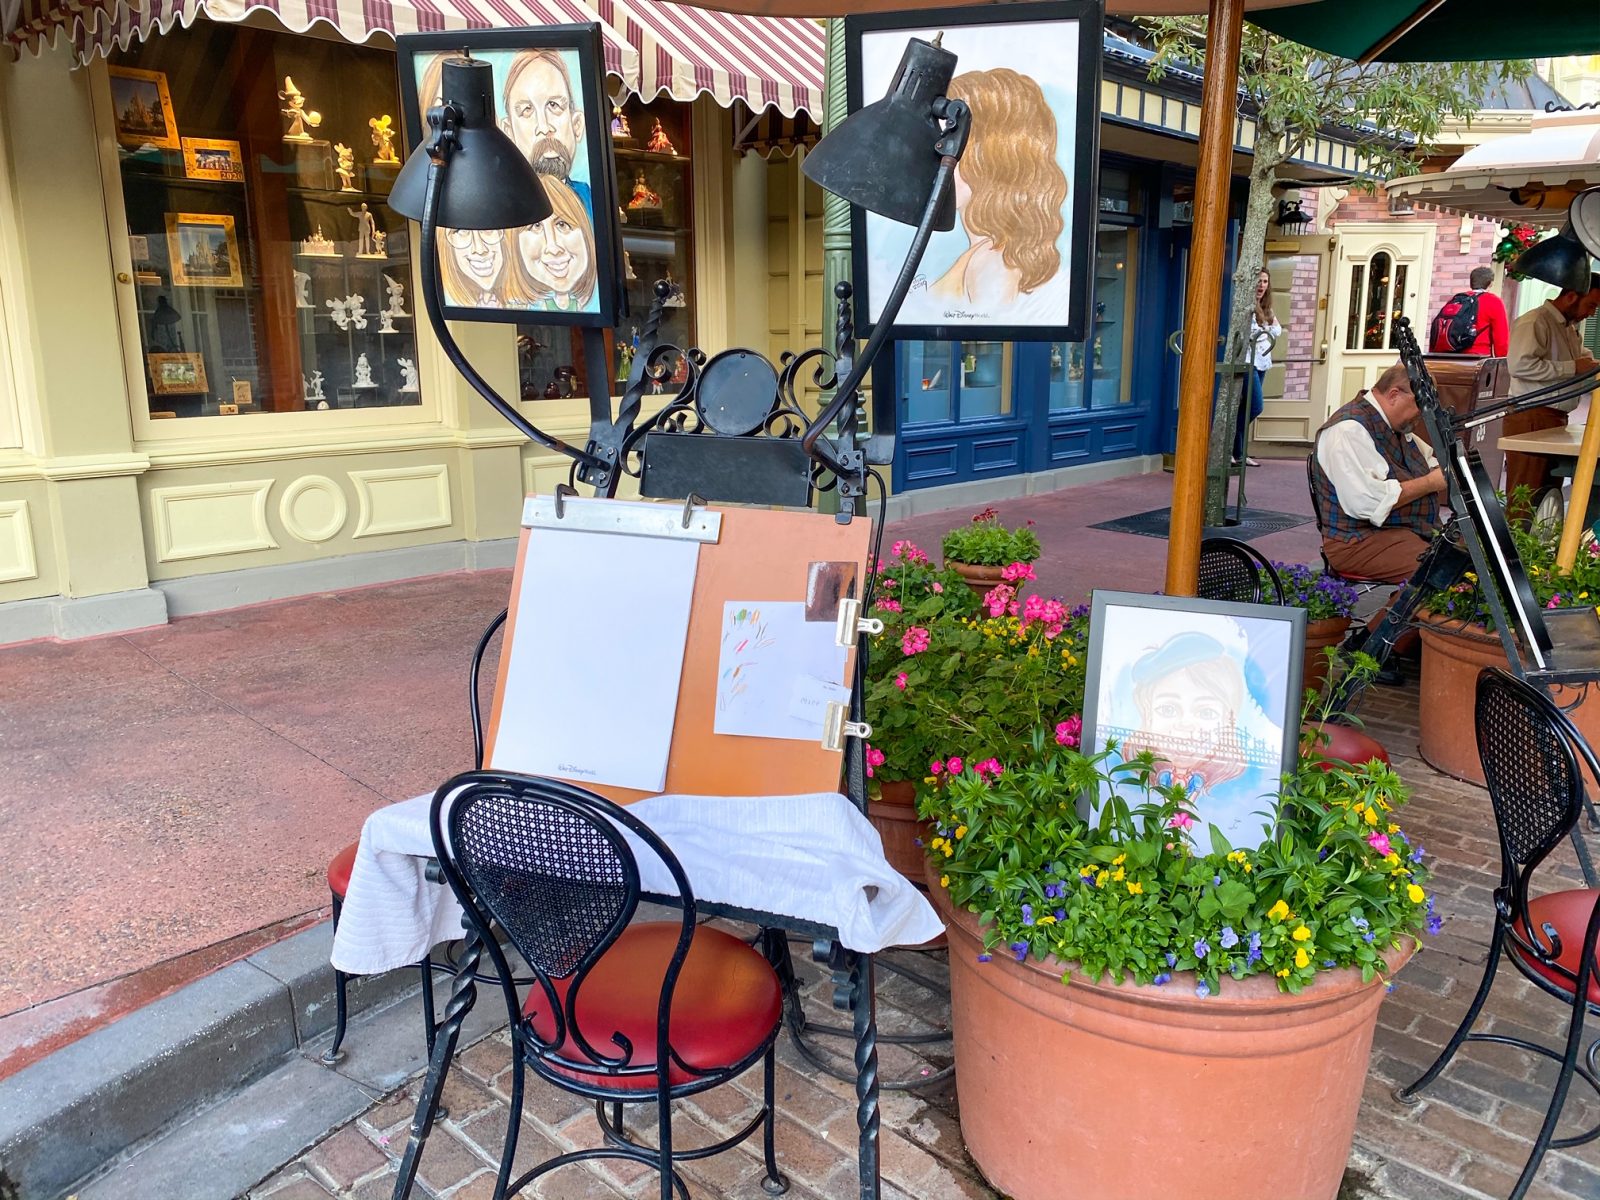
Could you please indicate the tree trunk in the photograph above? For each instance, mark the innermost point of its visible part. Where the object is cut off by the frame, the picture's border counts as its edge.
(1233, 390)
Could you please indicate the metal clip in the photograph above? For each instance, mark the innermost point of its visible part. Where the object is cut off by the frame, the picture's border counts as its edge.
(851, 623)
(563, 490)
(835, 728)
(689, 502)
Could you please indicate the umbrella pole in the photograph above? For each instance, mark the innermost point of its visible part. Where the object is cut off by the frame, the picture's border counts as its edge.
(1197, 372)
(1582, 485)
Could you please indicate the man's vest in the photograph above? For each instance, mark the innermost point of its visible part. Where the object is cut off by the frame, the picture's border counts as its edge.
(1405, 461)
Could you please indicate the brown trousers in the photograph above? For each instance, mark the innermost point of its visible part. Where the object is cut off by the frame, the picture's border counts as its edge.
(1387, 554)
(1534, 471)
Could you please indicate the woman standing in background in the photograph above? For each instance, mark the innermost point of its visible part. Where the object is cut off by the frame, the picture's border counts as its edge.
(1264, 334)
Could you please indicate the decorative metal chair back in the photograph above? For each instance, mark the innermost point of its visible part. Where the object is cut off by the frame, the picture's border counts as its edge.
(551, 865)
(1530, 752)
(1237, 571)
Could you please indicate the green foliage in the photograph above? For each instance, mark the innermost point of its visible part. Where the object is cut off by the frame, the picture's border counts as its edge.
(987, 543)
(1132, 894)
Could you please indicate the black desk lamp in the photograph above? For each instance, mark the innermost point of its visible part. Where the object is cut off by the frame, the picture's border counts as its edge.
(1563, 261)
(472, 176)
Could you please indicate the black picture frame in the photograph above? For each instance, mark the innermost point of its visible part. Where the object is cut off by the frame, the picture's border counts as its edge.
(1116, 649)
(1079, 207)
(516, 295)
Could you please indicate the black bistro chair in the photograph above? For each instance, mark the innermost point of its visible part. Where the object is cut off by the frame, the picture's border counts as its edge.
(1232, 570)
(1530, 752)
(618, 1012)
(339, 871)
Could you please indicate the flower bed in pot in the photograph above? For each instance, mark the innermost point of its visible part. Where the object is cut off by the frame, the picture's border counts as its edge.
(985, 553)
(1185, 1021)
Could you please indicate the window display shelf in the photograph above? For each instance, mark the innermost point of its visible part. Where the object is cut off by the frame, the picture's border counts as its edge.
(650, 156)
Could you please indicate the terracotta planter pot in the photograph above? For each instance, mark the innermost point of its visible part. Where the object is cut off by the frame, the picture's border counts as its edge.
(1320, 635)
(980, 579)
(1151, 1091)
(893, 813)
(1452, 656)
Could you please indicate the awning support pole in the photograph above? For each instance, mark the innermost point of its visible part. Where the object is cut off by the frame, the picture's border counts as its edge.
(1582, 487)
(1203, 311)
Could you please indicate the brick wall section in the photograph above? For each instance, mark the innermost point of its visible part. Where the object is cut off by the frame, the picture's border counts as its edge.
(1300, 327)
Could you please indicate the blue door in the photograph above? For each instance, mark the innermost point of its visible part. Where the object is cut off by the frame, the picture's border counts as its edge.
(958, 416)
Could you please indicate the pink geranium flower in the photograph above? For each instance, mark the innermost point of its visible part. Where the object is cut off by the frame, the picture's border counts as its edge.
(1180, 820)
(954, 764)
(890, 606)
(875, 758)
(998, 598)
(936, 767)
(915, 641)
(1017, 571)
(937, 587)
(900, 681)
(1379, 842)
(1068, 732)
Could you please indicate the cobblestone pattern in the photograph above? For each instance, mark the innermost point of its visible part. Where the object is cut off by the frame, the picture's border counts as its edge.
(1467, 1140)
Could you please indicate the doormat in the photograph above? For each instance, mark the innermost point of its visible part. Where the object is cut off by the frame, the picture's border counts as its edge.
(1157, 523)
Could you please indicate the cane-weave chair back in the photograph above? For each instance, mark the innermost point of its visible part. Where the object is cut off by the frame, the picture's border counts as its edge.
(1233, 570)
(1529, 749)
(550, 864)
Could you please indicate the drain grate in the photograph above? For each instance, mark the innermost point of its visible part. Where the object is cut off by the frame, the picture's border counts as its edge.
(1257, 522)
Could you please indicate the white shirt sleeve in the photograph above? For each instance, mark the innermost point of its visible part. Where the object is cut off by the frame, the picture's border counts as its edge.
(1359, 474)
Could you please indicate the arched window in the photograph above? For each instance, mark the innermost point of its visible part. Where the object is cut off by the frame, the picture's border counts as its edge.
(1377, 298)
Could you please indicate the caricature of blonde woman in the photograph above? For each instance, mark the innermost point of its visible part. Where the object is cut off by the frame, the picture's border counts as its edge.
(1009, 191)
(557, 256)
(475, 267)
(430, 91)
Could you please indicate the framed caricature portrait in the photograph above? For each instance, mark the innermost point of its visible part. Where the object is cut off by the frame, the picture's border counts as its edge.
(1212, 689)
(548, 97)
(1017, 265)
(143, 108)
(203, 250)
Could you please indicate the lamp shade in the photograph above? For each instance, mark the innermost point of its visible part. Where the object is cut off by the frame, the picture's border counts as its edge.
(1584, 217)
(489, 183)
(882, 157)
(1561, 261)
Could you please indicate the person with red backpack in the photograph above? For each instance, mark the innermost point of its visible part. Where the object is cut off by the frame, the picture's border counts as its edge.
(1472, 322)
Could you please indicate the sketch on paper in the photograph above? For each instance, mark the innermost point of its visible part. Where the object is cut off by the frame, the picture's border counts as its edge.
(1210, 695)
(1021, 189)
(773, 666)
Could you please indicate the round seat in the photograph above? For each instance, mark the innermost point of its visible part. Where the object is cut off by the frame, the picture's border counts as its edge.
(339, 870)
(1566, 912)
(725, 1007)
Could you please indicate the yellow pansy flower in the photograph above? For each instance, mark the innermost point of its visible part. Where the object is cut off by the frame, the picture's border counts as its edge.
(1415, 894)
(1372, 816)
(1119, 860)
(1392, 859)
(1045, 921)
(944, 881)
(1283, 972)
(1393, 828)
(961, 831)
(1278, 911)
(1118, 875)
(1135, 889)
(1100, 879)
(1301, 934)
(1301, 958)
(949, 849)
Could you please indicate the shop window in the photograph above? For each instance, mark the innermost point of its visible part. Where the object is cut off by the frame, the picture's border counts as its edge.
(1371, 311)
(1110, 344)
(945, 382)
(654, 173)
(270, 274)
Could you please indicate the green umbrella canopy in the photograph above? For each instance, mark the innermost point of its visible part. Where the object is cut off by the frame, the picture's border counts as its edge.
(1447, 31)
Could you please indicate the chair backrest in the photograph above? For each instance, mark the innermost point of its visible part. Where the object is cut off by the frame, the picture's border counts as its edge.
(475, 687)
(553, 866)
(1529, 749)
(1232, 570)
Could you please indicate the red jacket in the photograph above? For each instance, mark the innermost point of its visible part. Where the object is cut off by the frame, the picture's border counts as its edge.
(1494, 332)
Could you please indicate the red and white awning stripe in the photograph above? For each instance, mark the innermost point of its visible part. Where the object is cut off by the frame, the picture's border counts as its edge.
(775, 62)
(33, 24)
(356, 20)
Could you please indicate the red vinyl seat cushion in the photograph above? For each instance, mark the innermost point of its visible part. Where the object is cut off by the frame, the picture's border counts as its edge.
(339, 870)
(1346, 744)
(726, 1005)
(1568, 914)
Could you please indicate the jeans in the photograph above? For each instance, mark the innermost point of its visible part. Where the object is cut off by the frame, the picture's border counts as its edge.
(1257, 403)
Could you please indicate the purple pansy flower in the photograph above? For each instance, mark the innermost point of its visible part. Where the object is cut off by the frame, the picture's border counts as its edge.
(1254, 954)
(1164, 977)
(1202, 948)
(1202, 989)
(1229, 938)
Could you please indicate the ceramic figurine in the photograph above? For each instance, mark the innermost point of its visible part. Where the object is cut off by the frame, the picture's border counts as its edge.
(408, 373)
(387, 325)
(675, 296)
(363, 373)
(627, 265)
(317, 246)
(295, 109)
(383, 138)
(397, 297)
(346, 170)
(366, 226)
(1055, 356)
(380, 244)
(314, 387)
(659, 142)
(1097, 363)
(619, 124)
(643, 197)
(302, 290)
(351, 311)
(624, 360)
(1075, 363)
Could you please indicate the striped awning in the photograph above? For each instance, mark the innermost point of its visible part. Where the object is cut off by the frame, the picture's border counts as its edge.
(127, 21)
(767, 62)
(30, 24)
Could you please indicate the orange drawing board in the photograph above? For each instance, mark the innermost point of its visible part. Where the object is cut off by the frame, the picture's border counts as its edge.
(762, 555)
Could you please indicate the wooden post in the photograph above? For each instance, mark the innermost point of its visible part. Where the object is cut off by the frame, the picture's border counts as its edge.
(1582, 486)
(1207, 258)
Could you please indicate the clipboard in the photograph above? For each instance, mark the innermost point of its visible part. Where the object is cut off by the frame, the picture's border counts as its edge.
(752, 555)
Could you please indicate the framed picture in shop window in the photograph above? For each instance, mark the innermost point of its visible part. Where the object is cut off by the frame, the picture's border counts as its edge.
(143, 108)
(549, 98)
(203, 251)
(177, 374)
(1017, 265)
(213, 158)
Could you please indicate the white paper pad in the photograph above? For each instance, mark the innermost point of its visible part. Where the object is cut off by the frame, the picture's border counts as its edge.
(591, 691)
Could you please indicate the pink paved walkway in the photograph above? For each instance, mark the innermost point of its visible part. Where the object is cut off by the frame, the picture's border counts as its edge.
(171, 798)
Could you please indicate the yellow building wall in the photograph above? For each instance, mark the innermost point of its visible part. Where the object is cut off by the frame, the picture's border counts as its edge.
(794, 265)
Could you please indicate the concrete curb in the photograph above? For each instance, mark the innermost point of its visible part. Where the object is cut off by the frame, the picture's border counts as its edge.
(68, 1115)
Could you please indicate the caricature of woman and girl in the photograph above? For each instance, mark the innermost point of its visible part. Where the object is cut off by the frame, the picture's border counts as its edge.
(1199, 720)
(1010, 192)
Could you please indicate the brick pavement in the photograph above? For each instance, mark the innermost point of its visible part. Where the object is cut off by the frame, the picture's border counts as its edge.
(1467, 1140)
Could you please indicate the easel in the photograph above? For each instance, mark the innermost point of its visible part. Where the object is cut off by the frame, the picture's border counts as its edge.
(733, 433)
(1558, 647)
